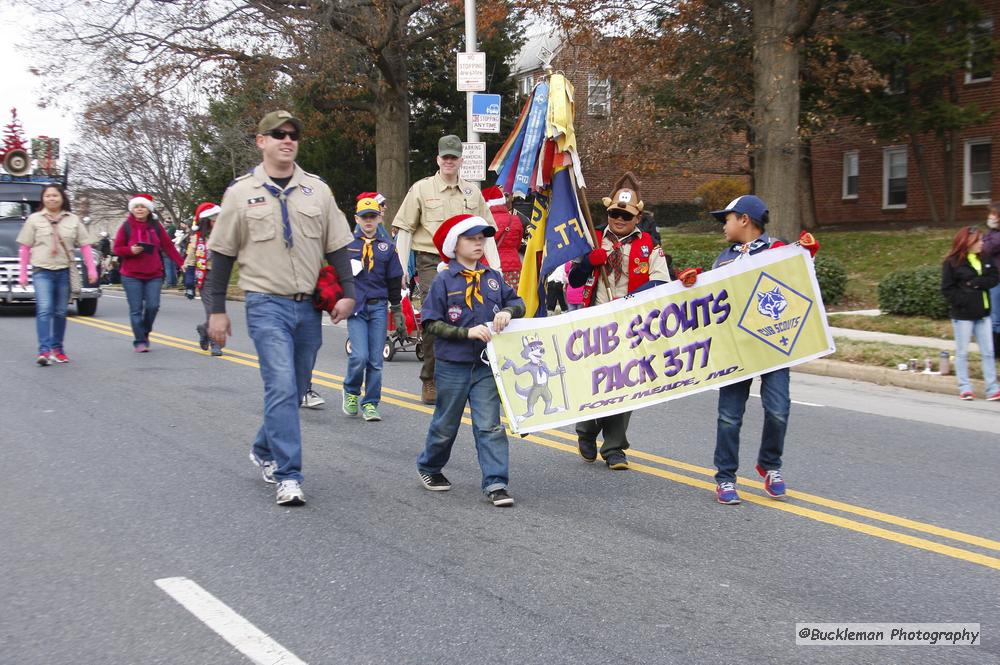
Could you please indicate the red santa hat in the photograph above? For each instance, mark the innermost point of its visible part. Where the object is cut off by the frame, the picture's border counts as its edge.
(446, 236)
(204, 211)
(145, 200)
(365, 195)
(494, 196)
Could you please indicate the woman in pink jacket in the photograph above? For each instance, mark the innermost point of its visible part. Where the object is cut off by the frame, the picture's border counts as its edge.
(508, 237)
(138, 245)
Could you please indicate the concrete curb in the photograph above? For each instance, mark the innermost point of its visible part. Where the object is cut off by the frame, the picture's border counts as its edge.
(885, 376)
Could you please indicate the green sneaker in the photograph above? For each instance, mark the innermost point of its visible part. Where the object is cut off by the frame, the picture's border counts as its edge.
(350, 404)
(370, 413)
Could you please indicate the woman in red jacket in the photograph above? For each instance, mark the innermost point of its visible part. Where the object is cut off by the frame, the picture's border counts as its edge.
(138, 245)
(508, 237)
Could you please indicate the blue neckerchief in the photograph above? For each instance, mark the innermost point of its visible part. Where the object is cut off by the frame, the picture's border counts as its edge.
(282, 197)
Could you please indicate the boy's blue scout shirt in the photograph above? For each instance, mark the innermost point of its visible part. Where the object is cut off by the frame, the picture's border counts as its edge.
(734, 251)
(446, 303)
(373, 282)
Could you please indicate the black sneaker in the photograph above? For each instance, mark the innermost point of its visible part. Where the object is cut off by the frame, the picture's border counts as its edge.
(617, 461)
(501, 499)
(435, 482)
(588, 450)
(202, 336)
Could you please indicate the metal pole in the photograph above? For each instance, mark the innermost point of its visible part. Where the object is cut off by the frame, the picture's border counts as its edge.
(470, 47)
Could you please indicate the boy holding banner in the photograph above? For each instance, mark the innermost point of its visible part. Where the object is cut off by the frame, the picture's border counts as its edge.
(744, 221)
(625, 261)
(463, 299)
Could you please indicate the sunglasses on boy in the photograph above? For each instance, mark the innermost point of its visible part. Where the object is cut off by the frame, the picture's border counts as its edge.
(280, 134)
(623, 215)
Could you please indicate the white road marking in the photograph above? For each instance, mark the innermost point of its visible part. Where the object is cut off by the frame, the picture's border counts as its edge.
(247, 638)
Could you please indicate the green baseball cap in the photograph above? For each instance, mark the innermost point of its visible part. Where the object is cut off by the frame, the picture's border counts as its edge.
(276, 119)
(449, 145)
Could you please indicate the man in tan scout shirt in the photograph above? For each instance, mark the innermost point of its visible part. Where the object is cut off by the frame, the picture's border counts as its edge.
(279, 223)
(428, 203)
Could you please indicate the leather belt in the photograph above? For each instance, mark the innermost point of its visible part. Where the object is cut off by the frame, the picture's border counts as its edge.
(298, 297)
(372, 301)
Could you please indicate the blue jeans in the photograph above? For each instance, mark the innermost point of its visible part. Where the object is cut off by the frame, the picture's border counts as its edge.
(732, 403)
(287, 335)
(458, 383)
(964, 330)
(51, 301)
(995, 310)
(169, 271)
(143, 303)
(367, 332)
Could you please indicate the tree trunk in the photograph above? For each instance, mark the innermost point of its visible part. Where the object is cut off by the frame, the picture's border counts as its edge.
(392, 130)
(948, 181)
(925, 177)
(807, 202)
(776, 114)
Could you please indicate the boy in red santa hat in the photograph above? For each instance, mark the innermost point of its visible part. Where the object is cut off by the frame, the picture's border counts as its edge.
(465, 300)
(197, 266)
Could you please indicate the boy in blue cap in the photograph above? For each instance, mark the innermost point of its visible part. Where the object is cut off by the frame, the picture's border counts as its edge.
(463, 300)
(744, 221)
(377, 279)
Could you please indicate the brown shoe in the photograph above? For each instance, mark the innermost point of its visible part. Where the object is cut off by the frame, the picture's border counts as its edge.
(429, 393)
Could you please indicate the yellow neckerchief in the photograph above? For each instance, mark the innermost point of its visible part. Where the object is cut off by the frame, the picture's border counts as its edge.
(472, 289)
(367, 253)
(978, 267)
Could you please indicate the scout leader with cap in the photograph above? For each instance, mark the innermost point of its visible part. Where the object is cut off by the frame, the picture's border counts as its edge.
(625, 261)
(428, 203)
(279, 223)
(377, 279)
(744, 221)
(463, 301)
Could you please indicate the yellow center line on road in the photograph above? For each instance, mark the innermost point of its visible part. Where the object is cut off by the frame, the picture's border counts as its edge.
(412, 402)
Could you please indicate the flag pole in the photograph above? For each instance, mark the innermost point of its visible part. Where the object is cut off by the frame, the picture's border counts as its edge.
(581, 197)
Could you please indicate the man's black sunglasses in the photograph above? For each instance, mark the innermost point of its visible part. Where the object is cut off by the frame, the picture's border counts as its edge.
(623, 215)
(280, 134)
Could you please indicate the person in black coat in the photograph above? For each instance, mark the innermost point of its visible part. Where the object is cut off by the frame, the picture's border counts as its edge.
(966, 278)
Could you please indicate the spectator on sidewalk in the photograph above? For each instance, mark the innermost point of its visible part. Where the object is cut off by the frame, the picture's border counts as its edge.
(967, 275)
(508, 237)
(991, 249)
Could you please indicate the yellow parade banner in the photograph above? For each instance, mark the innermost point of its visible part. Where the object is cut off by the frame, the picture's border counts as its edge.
(755, 315)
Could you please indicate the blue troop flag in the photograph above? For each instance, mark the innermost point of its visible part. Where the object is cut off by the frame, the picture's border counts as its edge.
(531, 285)
(566, 236)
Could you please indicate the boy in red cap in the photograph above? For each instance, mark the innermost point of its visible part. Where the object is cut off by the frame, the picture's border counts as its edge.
(464, 299)
(197, 267)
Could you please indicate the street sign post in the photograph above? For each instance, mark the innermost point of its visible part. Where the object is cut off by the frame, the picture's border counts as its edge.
(473, 162)
(471, 72)
(486, 113)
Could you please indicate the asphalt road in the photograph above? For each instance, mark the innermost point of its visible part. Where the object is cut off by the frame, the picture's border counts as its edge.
(125, 469)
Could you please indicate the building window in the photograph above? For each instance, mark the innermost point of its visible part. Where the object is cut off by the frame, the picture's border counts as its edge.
(850, 188)
(980, 64)
(894, 178)
(598, 96)
(525, 85)
(977, 176)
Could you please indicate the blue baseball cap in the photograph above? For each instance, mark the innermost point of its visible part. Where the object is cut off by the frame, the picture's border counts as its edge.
(748, 204)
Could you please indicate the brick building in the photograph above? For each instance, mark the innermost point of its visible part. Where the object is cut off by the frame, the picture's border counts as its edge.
(860, 179)
(606, 142)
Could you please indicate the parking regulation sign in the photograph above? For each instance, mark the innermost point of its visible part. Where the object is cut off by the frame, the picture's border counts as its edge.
(486, 113)
(471, 72)
(473, 162)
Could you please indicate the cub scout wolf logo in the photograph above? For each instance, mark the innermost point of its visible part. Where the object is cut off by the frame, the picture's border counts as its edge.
(771, 303)
(775, 313)
(533, 351)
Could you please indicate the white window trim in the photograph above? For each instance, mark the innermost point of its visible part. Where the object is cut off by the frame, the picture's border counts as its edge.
(885, 178)
(843, 182)
(594, 82)
(988, 24)
(967, 173)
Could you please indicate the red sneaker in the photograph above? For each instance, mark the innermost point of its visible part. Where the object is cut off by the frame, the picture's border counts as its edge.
(967, 396)
(59, 356)
(994, 397)
(43, 360)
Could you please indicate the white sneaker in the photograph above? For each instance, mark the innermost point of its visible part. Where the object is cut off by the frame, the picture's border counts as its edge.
(290, 493)
(312, 400)
(267, 468)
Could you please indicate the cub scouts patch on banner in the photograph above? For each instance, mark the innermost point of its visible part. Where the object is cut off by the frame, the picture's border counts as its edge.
(493, 284)
(454, 312)
(775, 313)
(383, 246)
(259, 201)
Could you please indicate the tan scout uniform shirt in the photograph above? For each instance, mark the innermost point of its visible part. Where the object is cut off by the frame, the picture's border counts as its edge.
(431, 201)
(38, 234)
(249, 227)
(658, 270)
